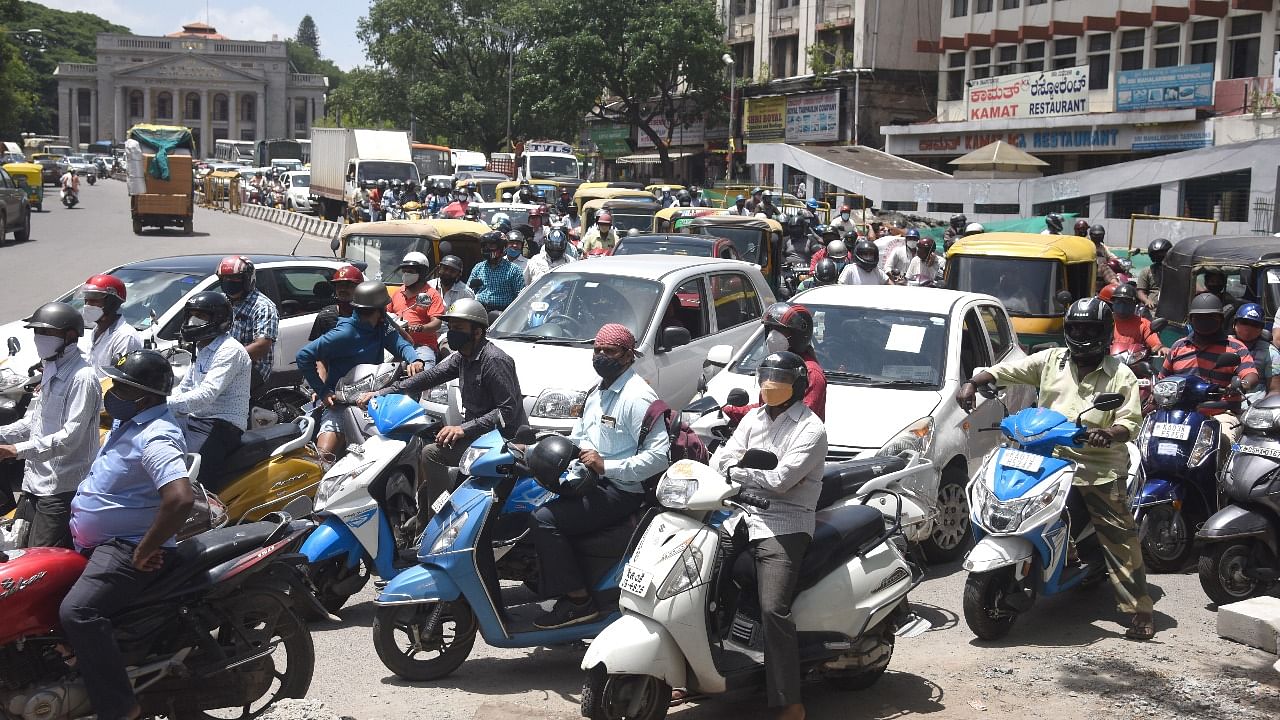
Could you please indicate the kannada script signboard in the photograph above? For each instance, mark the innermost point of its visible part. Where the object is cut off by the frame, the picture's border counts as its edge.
(1035, 94)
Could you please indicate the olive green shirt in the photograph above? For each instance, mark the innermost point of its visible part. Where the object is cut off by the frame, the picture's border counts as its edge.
(1061, 389)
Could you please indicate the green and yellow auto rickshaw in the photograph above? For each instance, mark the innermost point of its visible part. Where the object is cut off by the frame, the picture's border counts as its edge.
(27, 175)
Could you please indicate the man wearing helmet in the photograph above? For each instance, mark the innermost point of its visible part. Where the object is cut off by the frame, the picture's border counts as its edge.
(458, 208)
(698, 199)
(255, 323)
(1132, 331)
(515, 250)
(491, 397)
(612, 445)
(58, 436)
(1150, 278)
(448, 284)
(955, 229)
(777, 537)
(496, 281)
(789, 326)
(1081, 228)
(1069, 379)
(125, 515)
(1052, 224)
(211, 402)
(925, 267)
(1248, 326)
(1102, 257)
(826, 273)
(112, 335)
(418, 307)
(739, 206)
(899, 259)
(843, 224)
(757, 199)
(344, 282)
(835, 250)
(865, 269)
(601, 238)
(552, 256)
(683, 199)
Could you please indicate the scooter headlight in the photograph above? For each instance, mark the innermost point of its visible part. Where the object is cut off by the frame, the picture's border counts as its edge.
(1205, 442)
(1167, 392)
(677, 486)
(469, 457)
(438, 395)
(1259, 419)
(685, 575)
(449, 534)
(916, 437)
(330, 485)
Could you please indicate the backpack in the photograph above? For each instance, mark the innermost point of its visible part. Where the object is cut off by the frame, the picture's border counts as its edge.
(685, 443)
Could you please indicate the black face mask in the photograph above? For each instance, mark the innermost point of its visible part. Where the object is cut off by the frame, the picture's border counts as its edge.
(606, 367)
(459, 340)
(233, 288)
(119, 408)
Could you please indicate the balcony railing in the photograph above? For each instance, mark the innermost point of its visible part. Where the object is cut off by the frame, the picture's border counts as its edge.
(831, 13)
(215, 47)
(783, 25)
(75, 68)
(741, 32)
(307, 80)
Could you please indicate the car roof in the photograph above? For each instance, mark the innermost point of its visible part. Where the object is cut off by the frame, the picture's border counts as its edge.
(891, 297)
(208, 264)
(652, 267)
(675, 239)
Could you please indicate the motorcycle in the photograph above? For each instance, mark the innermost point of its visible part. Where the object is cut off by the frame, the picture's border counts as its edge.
(70, 198)
(1018, 504)
(204, 636)
(479, 536)
(1239, 547)
(91, 177)
(689, 612)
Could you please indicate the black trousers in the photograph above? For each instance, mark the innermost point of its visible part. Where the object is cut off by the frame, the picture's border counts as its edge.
(777, 562)
(49, 517)
(109, 584)
(215, 440)
(555, 524)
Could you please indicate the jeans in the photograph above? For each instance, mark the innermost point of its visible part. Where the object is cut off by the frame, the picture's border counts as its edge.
(109, 584)
(555, 524)
(215, 440)
(50, 518)
(777, 562)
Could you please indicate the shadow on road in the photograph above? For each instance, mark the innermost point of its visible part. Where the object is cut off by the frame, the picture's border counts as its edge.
(897, 694)
(1071, 620)
(166, 232)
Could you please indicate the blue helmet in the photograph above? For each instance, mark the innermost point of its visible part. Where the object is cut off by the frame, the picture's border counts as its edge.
(1251, 312)
(813, 204)
(913, 233)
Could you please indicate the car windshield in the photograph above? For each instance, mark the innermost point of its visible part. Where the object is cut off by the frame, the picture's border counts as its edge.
(383, 253)
(147, 291)
(656, 246)
(517, 216)
(1025, 286)
(570, 307)
(746, 239)
(300, 180)
(553, 166)
(870, 346)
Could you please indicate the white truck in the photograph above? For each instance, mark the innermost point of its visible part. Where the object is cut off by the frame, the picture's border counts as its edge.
(543, 159)
(346, 161)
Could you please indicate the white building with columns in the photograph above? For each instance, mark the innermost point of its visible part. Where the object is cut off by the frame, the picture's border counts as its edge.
(218, 87)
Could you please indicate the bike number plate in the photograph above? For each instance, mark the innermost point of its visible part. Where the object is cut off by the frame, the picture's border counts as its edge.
(440, 501)
(1019, 460)
(1263, 451)
(634, 580)
(1173, 431)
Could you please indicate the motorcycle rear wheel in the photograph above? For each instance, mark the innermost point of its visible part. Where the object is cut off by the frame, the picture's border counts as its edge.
(983, 593)
(1167, 543)
(624, 697)
(1221, 569)
(397, 637)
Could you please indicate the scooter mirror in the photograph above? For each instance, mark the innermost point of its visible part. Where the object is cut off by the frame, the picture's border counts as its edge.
(1159, 324)
(14, 346)
(1227, 360)
(1108, 401)
(702, 405)
(1063, 297)
(738, 398)
(334, 245)
(525, 435)
(757, 459)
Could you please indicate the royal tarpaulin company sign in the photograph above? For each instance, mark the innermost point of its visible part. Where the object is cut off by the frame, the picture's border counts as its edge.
(1035, 94)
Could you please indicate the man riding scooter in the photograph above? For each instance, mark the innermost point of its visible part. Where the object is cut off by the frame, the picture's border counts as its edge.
(789, 327)
(1068, 379)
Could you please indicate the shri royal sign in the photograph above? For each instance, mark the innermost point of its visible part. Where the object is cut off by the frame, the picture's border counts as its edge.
(1036, 94)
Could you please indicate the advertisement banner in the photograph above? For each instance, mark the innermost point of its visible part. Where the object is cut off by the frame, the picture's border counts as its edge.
(814, 117)
(688, 134)
(1163, 88)
(1101, 138)
(1035, 94)
(765, 119)
(1188, 136)
(611, 140)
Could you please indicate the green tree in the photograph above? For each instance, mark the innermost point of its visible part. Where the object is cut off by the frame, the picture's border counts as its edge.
(307, 35)
(303, 60)
(631, 65)
(366, 98)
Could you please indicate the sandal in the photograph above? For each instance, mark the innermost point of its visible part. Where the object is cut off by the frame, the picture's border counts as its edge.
(679, 697)
(1142, 628)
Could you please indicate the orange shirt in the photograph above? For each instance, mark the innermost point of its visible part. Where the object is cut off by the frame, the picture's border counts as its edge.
(1134, 333)
(418, 309)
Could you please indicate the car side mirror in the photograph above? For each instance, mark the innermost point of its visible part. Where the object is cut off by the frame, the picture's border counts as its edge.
(1160, 324)
(14, 346)
(334, 245)
(1108, 401)
(757, 459)
(1063, 297)
(719, 355)
(675, 336)
(738, 398)
(1227, 360)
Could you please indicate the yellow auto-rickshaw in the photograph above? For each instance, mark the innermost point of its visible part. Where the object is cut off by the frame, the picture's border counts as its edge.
(758, 240)
(675, 219)
(1035, 276)
(627, 212)
(382, 245)
(585, 194)
(487, 187)
(27, 176)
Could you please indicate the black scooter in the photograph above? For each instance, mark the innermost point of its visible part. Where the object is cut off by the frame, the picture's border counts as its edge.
(1240, 544)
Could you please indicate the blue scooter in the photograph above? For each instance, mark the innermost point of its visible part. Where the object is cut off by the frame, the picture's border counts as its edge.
(1018, 502)
(427, 617)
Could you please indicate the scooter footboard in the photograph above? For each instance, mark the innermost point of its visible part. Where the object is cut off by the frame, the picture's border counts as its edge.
(637, 645)
(420, 584)
(994, 552)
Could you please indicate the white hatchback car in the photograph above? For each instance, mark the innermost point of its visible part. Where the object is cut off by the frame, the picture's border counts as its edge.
(894, 358)
(678, 308)
(297, 191)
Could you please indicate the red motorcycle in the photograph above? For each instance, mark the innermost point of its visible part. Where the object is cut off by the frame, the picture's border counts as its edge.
(219, 628)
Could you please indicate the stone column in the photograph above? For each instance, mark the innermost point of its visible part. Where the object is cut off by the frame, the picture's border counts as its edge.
(175, 104)
(64, 113)
(119, 108)
(260, 121)
(233, 115)
(74, 135)
(146, 104)
(206, 124)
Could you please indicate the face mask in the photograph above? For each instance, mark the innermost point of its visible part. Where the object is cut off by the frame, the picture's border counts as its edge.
(119, 408)
(513, 253)
(1247, 333)
(1206, 325)
(91, 314)
(775, 341)
(232, 288)
(606, 367)
(774, 393)
(844, 216)
(48, 347)
(459, 340)
(410, 278)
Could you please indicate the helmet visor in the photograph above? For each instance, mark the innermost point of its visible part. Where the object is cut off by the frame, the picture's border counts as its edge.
(774, 374)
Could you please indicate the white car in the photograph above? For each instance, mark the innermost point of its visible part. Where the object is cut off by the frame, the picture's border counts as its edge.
(297, 191)
(678, 308)
(894, 358)
(80, 165)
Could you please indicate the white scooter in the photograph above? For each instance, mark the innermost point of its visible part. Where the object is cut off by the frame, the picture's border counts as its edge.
(683, 626)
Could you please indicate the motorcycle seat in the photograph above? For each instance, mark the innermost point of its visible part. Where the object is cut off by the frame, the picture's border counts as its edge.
(842, 479)
(208, 550)
(256, 446)
(838, 533)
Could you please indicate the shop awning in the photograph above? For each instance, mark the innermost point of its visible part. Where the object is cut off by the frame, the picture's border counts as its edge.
(650, 159)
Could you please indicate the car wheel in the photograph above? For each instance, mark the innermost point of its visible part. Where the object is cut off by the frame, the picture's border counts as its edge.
(23, 233)
(950, 536)
(4, 227)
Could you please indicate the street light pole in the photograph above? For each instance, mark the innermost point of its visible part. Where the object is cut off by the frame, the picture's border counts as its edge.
(728, 61)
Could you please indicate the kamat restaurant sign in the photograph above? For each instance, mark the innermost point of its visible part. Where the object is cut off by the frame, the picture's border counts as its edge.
(1036, 94)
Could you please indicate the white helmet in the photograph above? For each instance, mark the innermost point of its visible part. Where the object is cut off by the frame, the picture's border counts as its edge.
(974, 228)
(415, 258)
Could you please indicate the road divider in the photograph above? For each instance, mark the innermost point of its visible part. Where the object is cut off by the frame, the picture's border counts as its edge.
(309, 224)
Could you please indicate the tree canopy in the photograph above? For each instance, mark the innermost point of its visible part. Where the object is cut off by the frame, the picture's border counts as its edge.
(308, 36)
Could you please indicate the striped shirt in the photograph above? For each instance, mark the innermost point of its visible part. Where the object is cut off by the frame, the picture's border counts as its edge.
(1193, 356)
(252, 318)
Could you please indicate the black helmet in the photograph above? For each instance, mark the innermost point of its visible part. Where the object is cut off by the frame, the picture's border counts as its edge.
(452, 261)
(683, 196)
(837, 250)
(383, 183)
(1158, 249)
(786, 367)
(493, 238)
(1053, 221)
(826, 272)
(1097, 233)
(143, 369)
(1081, 227)
(549, 459)
(556, 243)
(1088, 325)
(213, 304)
(501, 222)
(1205, 304)
(865, 254)
(794, 320)
(371, 294)
(56, 316)
(958, 221)
(1124, 299)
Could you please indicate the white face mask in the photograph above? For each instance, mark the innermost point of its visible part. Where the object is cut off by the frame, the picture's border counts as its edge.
(410, 278)
(91, 314)
(775, 341)
(48, 347)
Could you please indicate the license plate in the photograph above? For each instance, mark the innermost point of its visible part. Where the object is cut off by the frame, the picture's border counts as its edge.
(634, 580)
(1144, 382)
(1173, 431)
(1263, 451)
(440, 501)
(1019, 460)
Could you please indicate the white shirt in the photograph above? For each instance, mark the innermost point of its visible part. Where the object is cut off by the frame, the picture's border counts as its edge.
(58, 437)
(216, 386)
(886, 245)
(118, 339)
(854, 275)
(800, 440)
(540, 265)
(457, 292)
(899, 260)
(921, 271)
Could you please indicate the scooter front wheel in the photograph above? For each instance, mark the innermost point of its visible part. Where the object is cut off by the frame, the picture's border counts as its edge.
(624, 697)
(985, 611)
(1223, 569)
(1167, 542)
(426, 641)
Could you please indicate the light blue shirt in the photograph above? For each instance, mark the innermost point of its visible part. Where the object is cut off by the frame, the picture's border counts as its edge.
(610, 425)
(121, 496)
(216, 386)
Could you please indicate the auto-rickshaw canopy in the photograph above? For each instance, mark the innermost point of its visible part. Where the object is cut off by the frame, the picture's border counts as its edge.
(1251, 263)
(585, 194)
(674, 219)
(627, 212)
(758, 240)
(28, 175)
(382, 245)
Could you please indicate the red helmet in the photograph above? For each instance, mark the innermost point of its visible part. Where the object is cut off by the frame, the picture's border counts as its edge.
(538, 211)
(105, 285)
(605, 218)
(237, 267)
(1105, 293)
(845, 209)
(348, 273)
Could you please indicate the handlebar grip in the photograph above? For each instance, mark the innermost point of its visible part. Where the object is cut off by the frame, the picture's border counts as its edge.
(754, 501)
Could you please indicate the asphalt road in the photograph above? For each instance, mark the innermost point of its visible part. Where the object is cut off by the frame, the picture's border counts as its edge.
(1066, 659)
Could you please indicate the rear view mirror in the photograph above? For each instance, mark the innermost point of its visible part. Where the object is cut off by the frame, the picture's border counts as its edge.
(1063, 297)
(1108, 401)
(757, 459)
(1227, 360)
(14, 346)
(720, 355)
(1159, 324)
(738, 398)
(702, 405)
(334, 245)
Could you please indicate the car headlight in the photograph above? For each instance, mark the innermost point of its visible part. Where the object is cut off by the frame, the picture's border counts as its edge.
(1260, 419)
(559, 403)
(685, 574)
(916, 437)
(438, 395)
(469, 457)
(449, 534)
(330, 485)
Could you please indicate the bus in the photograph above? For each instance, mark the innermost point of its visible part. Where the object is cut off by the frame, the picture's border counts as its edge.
(234, 151)
(271, 150)
(431, 159)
